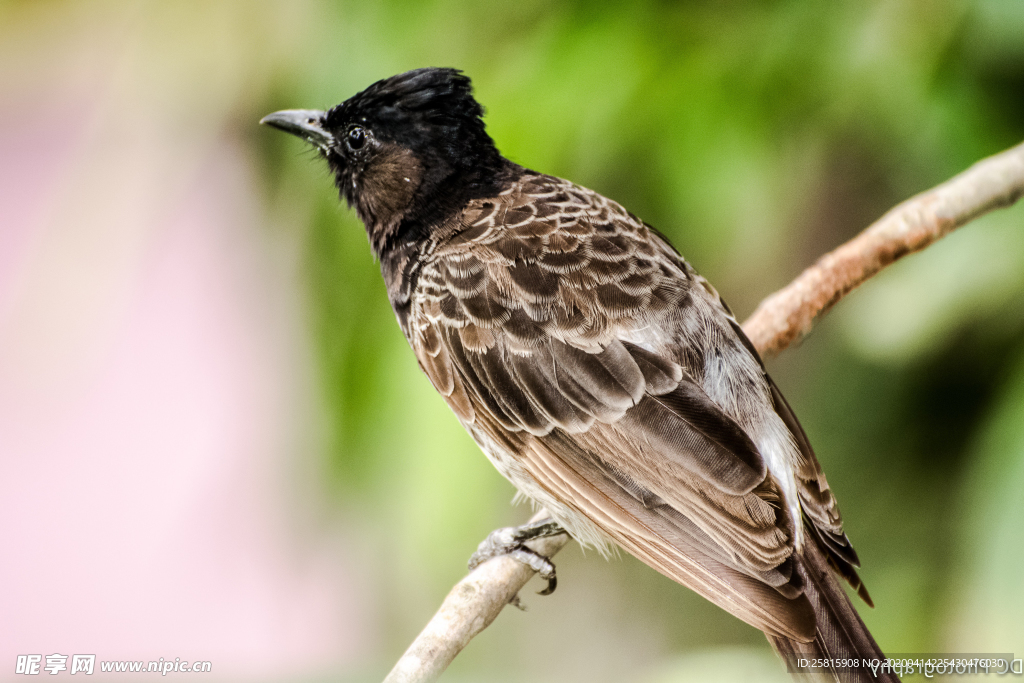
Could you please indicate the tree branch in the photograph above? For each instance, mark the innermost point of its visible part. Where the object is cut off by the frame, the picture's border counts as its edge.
(788, 314)
(781, 319)
(470, 607)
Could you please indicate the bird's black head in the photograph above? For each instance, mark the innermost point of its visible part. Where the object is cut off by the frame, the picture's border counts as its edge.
(407, 152)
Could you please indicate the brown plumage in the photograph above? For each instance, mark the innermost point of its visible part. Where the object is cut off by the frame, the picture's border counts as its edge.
(596, 369)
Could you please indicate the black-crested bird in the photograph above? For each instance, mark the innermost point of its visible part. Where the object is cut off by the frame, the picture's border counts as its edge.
(596, 369)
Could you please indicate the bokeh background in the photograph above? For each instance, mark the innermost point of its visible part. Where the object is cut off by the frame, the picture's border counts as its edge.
(216, 445)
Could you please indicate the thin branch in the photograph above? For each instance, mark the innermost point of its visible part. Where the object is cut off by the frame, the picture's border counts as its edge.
(470, 607)
(788, 314)
(781, 319)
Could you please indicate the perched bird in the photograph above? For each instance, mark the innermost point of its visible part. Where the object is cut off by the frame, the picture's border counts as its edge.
(596, 369)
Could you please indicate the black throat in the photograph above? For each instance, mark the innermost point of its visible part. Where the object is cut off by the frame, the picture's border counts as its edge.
(445, 188)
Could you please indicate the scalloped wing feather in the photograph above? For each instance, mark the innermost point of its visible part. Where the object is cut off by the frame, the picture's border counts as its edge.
(552, 324)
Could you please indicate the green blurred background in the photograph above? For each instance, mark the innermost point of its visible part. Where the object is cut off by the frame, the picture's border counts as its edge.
(756, 136)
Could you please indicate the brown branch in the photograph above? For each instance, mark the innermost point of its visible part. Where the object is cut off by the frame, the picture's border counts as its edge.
(788, 314)
(782, 318)
(469, 608)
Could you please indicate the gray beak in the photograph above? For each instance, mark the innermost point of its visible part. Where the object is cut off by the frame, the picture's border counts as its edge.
(305, 123)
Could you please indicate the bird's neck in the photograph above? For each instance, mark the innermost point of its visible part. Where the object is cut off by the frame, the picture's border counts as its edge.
(439, 199)
(400, 246)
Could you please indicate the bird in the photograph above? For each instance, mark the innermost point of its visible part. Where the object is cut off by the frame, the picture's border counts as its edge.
(594, 367)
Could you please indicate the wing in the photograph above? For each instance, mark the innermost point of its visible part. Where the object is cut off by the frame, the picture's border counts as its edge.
(817, 503)
(582, 352)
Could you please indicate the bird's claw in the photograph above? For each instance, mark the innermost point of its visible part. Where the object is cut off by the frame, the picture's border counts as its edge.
(509, 541)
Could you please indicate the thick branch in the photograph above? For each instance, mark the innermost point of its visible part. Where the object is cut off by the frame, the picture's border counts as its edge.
(782, 318)
(788, 314)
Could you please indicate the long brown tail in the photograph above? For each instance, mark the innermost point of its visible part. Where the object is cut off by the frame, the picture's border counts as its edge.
(841, 635)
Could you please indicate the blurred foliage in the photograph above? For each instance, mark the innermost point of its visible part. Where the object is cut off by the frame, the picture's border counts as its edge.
(756, 135)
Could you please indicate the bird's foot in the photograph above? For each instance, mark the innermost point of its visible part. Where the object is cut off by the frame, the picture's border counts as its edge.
(509, 541)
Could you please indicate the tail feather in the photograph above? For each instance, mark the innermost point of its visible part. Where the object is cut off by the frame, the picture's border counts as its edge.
(841, 635)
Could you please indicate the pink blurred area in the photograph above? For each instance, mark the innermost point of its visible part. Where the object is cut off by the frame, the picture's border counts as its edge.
(152, 406)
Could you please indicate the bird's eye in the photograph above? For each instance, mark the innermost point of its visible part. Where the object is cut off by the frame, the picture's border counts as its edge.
(356, 138)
